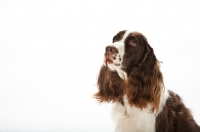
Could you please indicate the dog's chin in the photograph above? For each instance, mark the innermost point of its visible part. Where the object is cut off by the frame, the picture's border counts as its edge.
(110, 66)
(116, 68)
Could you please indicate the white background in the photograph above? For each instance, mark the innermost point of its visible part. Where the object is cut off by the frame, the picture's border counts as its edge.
(51, 52)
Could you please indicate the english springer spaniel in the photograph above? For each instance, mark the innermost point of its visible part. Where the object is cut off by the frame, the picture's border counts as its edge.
(131, 79)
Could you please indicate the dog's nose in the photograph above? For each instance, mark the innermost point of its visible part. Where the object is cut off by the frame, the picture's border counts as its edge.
(110, 50)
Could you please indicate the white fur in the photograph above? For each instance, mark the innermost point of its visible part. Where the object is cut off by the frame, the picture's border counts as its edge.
(132, 119)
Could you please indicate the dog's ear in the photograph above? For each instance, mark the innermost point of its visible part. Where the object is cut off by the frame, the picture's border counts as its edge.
(110, 86)
(145, 82)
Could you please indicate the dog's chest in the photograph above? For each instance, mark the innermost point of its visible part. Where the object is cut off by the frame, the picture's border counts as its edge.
(142, 120)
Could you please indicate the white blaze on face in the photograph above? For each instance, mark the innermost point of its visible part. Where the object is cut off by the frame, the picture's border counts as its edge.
(116, 65)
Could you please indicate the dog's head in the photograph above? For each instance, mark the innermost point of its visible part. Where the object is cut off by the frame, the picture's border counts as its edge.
(128, 50)
(131, 61)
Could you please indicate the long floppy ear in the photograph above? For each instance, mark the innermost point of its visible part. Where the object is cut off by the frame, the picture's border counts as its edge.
(110, 86)
(145, 82)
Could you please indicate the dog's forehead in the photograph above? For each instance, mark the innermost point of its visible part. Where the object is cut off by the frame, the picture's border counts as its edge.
(122, 39)
(126, 34)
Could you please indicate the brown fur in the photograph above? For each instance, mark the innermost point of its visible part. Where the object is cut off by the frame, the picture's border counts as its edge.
(118, 36)
(145, 81)
(175, 117)
(110, 86)
(144, 87)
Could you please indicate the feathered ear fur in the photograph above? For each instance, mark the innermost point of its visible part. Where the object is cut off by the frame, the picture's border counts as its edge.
(145, 82)
(110, 86)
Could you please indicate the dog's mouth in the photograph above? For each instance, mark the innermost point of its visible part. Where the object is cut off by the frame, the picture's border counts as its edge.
(123, 68)
(108, 61)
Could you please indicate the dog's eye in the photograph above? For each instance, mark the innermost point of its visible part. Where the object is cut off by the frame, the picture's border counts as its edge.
(132, 43)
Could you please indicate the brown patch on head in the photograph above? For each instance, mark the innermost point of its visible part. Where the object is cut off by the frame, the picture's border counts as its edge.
(136, 48)
(145, 81)
(110, 86)
(119, 36)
